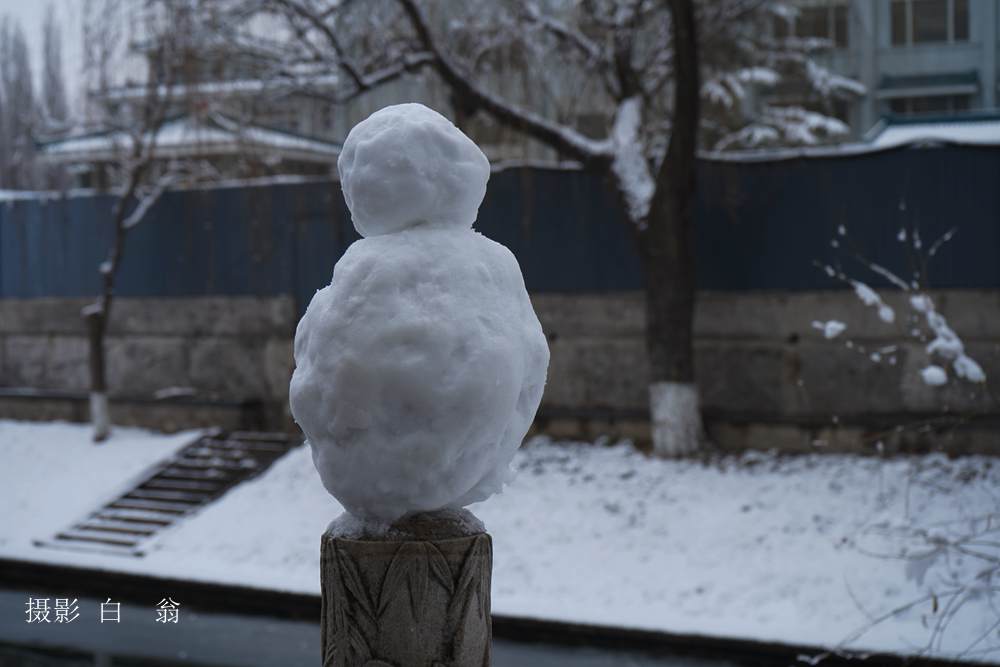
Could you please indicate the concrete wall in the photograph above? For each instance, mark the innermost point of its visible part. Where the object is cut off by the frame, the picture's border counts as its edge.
(235, 353)
(768, 378)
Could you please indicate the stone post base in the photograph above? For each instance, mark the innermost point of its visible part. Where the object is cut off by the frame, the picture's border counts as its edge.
(416, 595)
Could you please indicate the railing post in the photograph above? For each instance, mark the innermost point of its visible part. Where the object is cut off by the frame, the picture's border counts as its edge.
(417, 594)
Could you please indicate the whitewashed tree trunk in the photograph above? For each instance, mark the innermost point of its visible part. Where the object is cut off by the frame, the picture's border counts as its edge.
(99, 416)
(675, 416)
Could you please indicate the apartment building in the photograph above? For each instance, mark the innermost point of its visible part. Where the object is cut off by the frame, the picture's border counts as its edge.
(936, 57)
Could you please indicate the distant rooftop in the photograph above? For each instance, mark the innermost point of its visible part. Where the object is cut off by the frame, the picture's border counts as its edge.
(979, 129)
(190, 136)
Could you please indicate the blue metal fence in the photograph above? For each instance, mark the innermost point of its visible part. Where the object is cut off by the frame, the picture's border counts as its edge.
(760, 225)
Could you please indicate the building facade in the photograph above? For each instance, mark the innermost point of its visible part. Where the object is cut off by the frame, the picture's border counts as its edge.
(913, 56)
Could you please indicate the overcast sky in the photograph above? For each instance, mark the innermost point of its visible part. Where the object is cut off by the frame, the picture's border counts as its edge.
(31, 13)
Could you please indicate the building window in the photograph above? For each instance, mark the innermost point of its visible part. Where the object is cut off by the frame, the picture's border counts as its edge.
(930, 104)
(929, 21)
(821, 20)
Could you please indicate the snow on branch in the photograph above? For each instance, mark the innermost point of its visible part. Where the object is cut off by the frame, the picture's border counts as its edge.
(829, 83)
(137, 214)
(563, 32)
(629, 163)
(562, 137)
(945, 344)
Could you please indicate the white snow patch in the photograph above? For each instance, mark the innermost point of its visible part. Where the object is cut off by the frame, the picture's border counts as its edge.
(946, 342)
(969, 132)
(830, 329)
(870, 297)
(758, 547)
(966, 367)
(629, 164)
(934, 376)
(53, 473)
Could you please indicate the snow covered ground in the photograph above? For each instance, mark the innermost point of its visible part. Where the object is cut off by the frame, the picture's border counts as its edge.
(785, 549)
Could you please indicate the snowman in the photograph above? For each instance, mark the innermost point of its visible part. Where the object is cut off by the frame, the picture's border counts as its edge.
(419, 369)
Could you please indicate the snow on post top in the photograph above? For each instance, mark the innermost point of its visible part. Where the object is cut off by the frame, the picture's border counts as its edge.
(407, 165)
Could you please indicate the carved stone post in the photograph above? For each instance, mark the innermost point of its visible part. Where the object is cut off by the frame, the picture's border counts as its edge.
(416, 595)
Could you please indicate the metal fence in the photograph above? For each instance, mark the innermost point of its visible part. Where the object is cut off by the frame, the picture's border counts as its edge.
(760, 226)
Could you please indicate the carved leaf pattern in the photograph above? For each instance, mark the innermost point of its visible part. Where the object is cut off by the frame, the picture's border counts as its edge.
(356, 616)
(467, 584)
(440, 568)
(350, 645)
(352, 579)
(393, 581)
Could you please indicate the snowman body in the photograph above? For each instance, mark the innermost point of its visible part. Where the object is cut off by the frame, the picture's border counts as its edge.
(420, 367)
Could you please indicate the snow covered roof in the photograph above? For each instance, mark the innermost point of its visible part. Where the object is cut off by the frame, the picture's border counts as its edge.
(188, 136)
(977, 130)
(230, 88)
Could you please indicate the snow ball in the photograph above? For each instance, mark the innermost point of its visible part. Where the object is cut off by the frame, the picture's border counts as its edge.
(934, 376)
(921, 303)
(418, 372)
(830, 329)
(407, 165)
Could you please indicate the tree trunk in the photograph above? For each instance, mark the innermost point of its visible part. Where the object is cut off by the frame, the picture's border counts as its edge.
(668, 259)
(99, 417)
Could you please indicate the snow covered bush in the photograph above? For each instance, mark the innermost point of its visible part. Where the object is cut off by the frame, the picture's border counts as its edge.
(951, 552)
(947, 358)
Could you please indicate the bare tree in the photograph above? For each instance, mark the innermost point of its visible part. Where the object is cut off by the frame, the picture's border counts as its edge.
(633, 65)
(103, 39)
(18, 113)
(143, 176)
(54, 101)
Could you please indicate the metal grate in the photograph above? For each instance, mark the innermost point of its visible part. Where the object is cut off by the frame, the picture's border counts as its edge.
(196, 475)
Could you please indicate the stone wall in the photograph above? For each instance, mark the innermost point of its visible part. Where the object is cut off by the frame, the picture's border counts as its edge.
(171, 363)
(768, 378)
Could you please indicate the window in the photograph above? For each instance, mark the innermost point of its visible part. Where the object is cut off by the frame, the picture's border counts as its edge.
(928, 21)
(930, 104)
(961, 21)
(822, 20)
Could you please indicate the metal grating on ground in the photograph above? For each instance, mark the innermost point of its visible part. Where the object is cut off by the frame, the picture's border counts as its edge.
(176, 488)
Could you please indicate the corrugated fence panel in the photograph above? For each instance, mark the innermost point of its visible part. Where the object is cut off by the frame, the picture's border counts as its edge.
(761, 225)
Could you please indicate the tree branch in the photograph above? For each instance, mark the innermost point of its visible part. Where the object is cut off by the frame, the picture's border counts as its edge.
(564, 139)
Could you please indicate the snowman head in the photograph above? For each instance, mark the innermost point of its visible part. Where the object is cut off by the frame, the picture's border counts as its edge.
(407, 165)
